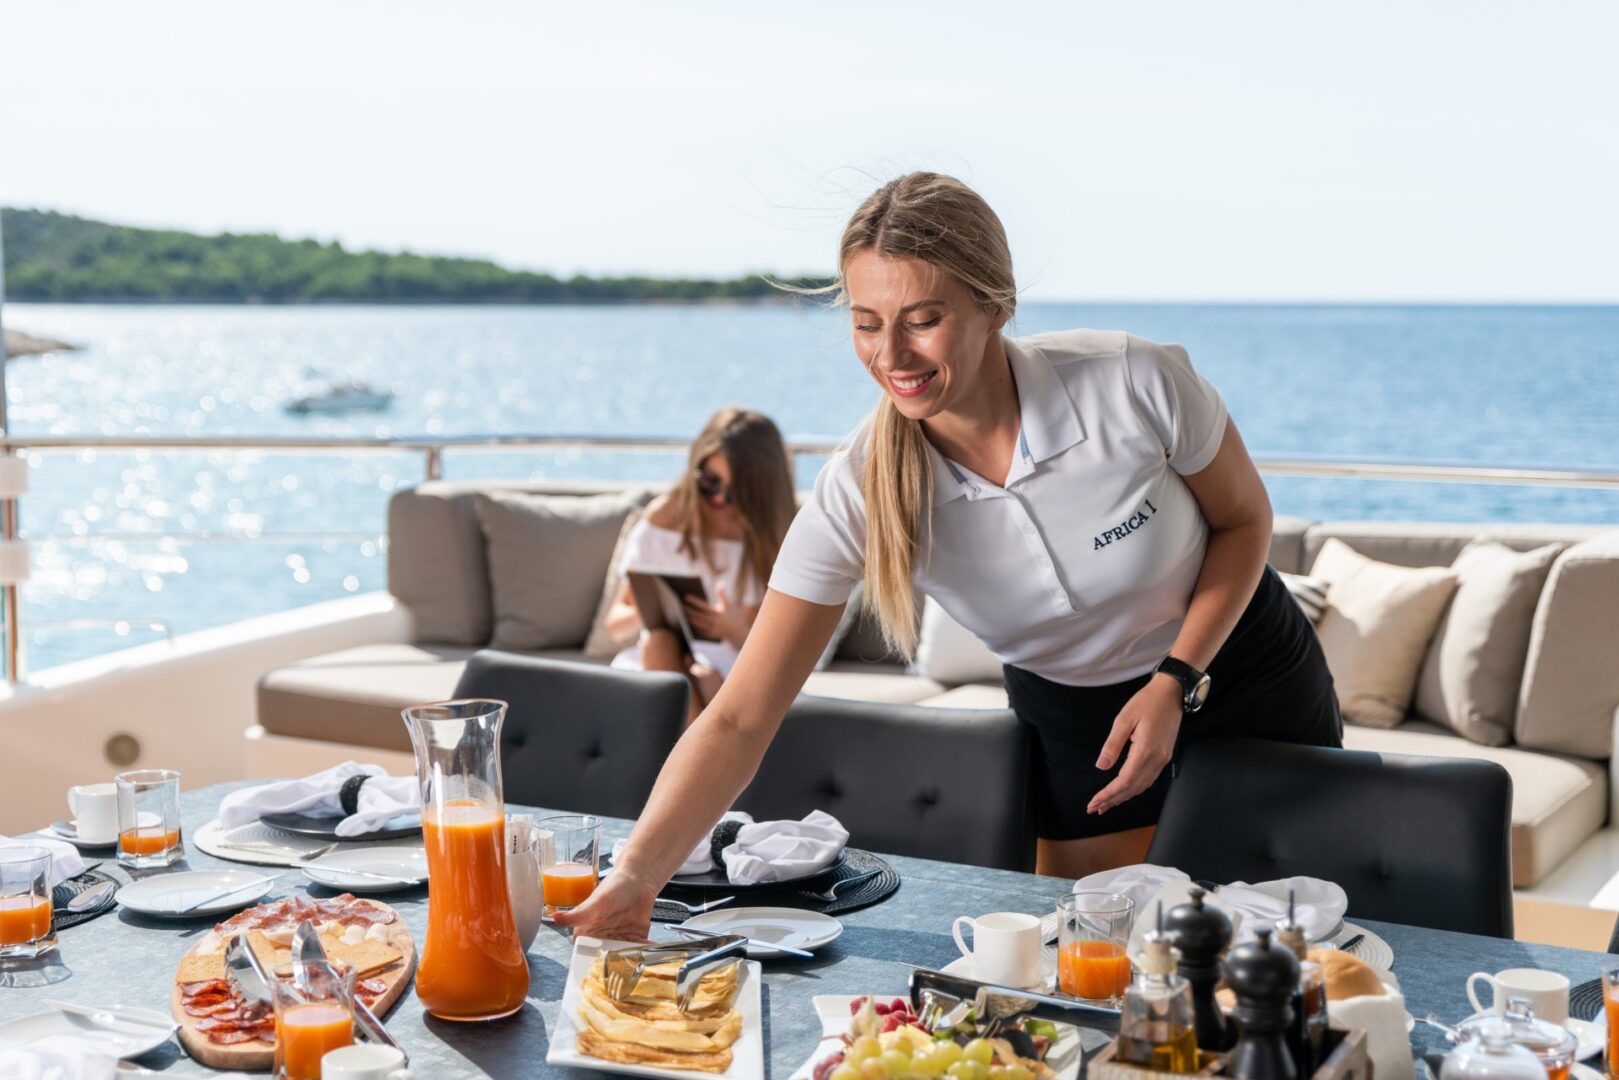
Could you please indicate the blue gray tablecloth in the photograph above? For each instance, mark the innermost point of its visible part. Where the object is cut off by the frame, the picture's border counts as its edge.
(127, 958)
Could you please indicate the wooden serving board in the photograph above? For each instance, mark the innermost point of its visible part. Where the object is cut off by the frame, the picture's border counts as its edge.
(387, 966)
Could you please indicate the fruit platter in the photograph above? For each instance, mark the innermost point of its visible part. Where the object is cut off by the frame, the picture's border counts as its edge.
(879, 1038)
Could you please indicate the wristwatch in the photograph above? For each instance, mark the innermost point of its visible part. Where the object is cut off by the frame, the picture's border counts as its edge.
(1194, 683)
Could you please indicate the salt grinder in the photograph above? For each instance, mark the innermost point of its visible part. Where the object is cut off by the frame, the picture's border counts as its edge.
(1202, 933)
(1264, 978)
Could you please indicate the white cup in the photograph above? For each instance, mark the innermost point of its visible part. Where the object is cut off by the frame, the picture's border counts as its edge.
(95, 812)
(364, 1061)
(1005, 948)
(1546, 992)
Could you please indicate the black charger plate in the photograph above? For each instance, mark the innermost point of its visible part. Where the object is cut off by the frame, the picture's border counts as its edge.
(325, 828)
(712, 880)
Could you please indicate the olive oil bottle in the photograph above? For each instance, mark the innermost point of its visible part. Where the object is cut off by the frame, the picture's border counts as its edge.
(1156, 1026)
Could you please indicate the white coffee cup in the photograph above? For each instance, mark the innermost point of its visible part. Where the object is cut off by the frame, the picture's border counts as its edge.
(364, 1061)
(1005, 948)
(95, 810)
(1546, 992)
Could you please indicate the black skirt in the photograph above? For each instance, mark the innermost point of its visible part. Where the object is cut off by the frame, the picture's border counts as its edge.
(1269, 681)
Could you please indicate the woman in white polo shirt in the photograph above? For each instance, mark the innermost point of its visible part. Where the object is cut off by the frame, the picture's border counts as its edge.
(1079, 501)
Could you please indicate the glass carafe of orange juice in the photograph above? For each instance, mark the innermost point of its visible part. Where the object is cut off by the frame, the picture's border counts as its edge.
(472, 965)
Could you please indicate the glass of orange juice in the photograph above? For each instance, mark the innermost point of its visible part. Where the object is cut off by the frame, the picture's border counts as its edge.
(1610, 1006)
(25, 903)
(149, 818)
(1093, 932)
(313, 1014)
(568, 871)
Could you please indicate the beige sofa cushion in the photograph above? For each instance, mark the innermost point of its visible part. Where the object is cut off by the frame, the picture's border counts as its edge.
(1571, 677)
(600, 644)
(854, 680)
(1557, 802)
(1287, 543)
(1422, 543)
(1470, 680)
(949, 653)
(548, 557)
(970, 696)
(1376, 628)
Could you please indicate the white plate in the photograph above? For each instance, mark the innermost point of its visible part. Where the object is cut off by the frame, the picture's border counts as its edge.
(1064, 1057)
(790, 927)
(400, 862)
(747, 1053)
(1592, 1036)
(68, 831)
(1585, 1072)
(119, 1038)
(165, 894)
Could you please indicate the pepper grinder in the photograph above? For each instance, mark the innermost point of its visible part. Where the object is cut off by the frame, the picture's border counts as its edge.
(1264, 978)
(1202, 933)
(1306, 1035)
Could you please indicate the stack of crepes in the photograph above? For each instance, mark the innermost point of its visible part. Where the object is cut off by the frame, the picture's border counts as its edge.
(650, 1029)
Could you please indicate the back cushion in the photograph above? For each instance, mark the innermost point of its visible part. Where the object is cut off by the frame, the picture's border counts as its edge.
(1409, 543)
(1570, 681)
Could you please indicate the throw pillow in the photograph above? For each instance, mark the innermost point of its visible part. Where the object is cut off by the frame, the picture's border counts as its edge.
(600, 643)
(547, 557)
(1470, 680)
(1310, 593)
(1376, 628)
(851, 611)
(949, 653)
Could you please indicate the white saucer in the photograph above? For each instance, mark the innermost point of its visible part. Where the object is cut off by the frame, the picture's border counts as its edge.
(409, 863)
(1585, 1072)
(120, 1038)
(792, 928)
(1592, 1036)
(963, 967)
(68, 831)
(165, 894)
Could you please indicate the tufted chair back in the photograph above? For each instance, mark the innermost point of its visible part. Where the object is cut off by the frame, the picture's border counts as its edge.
(946, 784)
(579, 737)
(1417, 840)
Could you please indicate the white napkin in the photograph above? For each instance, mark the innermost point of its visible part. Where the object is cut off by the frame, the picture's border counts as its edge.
(701, 858)
(66, 862)
(779, 850)
(1383, 1016)
(382, 797)
(59, 1057)
(1319, 905)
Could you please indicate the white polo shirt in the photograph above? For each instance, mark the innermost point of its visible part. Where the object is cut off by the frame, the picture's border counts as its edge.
(1081, 565)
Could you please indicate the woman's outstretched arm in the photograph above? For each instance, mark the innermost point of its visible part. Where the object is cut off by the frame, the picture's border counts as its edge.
(711, 764)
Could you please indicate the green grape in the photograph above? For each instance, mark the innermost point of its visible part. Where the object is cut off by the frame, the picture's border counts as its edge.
(1016, 1072)
(979, 1050)
(873, 1069)
(927, 1063)
(949, 1055)
(845, 1071)
(997, 1072)
(862, 1048)
(963, 1070)
(896, 1061)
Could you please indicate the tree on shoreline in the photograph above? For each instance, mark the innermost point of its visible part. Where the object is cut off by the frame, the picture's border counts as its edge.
(51, 256)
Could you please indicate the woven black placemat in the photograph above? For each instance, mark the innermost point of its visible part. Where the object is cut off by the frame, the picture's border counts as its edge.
(61, 919)
(1585, 1000)
(875, 889)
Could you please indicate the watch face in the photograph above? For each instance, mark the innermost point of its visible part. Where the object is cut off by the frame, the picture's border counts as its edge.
(1199, 694)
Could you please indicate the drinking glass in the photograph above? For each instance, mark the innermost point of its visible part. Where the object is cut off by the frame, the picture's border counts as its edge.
(313, 1014)
(1094, 930)
(1610, 1005)
(25, 903)
(568, 875)
(149, 818)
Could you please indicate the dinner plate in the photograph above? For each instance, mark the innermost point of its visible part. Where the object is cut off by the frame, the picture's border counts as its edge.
(165, 894)
(325, 828)
(792, 928)
(1064, 1058)
(401, 862)
(67, 830)
(747, 1053)
(119, 1038)
(1593, 1037)
(716, 879)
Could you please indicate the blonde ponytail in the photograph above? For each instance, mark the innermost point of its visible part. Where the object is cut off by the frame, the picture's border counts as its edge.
(898, 487)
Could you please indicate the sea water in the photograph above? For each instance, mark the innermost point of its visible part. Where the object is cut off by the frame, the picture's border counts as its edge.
(191, 539)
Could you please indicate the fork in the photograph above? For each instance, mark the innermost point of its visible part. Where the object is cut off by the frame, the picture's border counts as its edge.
(830, 896)
(696, 909)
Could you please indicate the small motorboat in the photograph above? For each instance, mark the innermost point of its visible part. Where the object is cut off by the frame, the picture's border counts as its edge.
(353, 396)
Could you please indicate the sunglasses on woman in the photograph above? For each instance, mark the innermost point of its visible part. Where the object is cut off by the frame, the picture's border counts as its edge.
(710, 486)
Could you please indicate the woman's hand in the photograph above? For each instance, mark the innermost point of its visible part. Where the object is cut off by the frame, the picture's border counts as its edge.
(721, 620)
(620, 909)
(1148, 724)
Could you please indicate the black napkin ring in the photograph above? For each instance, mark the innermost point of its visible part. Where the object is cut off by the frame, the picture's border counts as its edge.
(723, 837)
(349, 795)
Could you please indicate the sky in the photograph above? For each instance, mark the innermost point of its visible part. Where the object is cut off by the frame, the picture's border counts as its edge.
(1430, 151)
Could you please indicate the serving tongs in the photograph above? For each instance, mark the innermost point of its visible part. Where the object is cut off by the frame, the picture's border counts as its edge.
(993, 1006)
(246, 975)
(307, 950)
(622, 968)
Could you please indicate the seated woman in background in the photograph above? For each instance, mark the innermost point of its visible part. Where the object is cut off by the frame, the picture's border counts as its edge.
(723, 523)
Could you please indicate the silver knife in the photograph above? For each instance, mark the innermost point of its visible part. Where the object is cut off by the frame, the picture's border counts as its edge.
(307, 949)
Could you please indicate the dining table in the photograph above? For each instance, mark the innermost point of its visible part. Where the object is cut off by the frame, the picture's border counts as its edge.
(127, 958)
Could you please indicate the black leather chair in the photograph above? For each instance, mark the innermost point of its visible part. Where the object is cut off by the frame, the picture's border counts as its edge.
(579, 737)
(946, 784)
(1419, 840)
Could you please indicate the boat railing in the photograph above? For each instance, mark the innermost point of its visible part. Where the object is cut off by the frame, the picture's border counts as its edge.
(434, 448)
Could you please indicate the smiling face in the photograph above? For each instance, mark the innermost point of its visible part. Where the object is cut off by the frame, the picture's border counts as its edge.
(920, 332)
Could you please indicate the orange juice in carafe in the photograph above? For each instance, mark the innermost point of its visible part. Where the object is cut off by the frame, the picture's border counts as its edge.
(472, 965)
